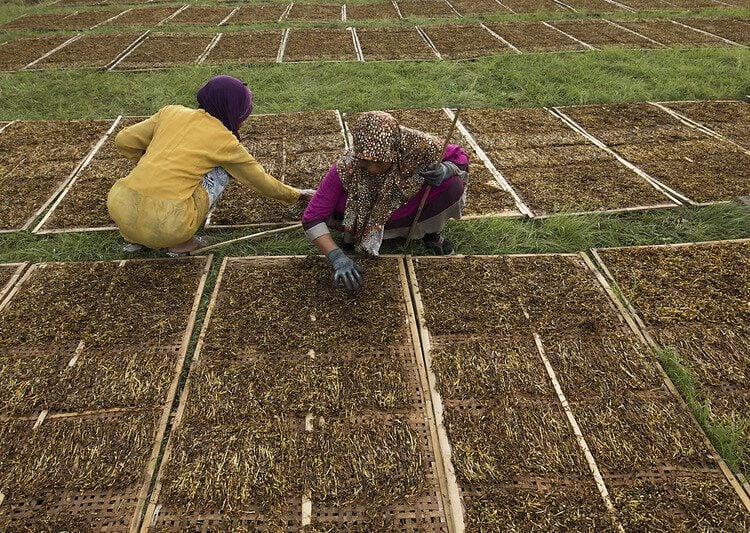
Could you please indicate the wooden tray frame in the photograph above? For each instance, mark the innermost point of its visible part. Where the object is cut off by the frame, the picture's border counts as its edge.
(454, 492)
(530, 213)
(728, 41)
(672, 203)
(39, 228)
(112, 66)
(6, 288)
(50, 52)
(85, 163)
(306, 510)
(149, 470)
(639, 326)
(664, 106)
(670, 192)
(63, 183)
(642, 336)
(357, 49)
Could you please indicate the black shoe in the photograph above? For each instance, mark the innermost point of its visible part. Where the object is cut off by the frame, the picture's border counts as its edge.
(436, 244)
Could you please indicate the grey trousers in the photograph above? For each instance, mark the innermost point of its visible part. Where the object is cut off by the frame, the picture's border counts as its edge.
(214, 182)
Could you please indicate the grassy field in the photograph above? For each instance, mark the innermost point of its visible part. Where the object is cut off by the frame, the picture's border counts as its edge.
(503, 81)
(561, 234)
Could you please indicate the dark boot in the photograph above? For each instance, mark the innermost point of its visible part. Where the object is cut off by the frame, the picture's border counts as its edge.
(436, 244)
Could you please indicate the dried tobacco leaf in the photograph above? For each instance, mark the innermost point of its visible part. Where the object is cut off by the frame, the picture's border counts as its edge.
(368, 462)
(232, 468)
(234, 391)
(512, 438)
(632, 432)
(86, 454)
(565, 507)
(680, 504)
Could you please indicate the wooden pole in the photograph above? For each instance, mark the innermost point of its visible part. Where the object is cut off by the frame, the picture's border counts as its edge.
(429, 187)
(200, 251)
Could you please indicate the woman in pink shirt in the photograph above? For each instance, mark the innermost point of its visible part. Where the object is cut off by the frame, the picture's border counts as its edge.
(373, 192)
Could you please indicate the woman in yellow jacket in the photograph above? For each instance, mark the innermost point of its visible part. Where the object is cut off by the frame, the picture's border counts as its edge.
(185, 158)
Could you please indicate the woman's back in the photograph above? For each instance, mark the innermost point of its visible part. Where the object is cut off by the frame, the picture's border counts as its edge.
(183, 144)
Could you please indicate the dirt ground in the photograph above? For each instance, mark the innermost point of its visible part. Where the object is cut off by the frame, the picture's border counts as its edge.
(88, 51)
(534, 37)
(464, 41)
(246, 47)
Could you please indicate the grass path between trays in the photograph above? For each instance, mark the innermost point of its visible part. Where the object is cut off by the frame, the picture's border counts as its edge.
(560, 234)
(529, 80)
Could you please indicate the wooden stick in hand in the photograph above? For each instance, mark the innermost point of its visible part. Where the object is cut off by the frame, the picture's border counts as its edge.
(429, 187)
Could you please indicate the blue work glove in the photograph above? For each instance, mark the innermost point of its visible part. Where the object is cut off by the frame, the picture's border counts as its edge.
(437, 174)
(345, 270)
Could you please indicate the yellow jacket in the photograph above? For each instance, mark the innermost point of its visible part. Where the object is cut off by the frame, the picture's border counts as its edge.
(161, 202)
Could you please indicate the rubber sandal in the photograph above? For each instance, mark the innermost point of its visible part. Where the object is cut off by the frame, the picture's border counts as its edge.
(131, 247)
(202, 242)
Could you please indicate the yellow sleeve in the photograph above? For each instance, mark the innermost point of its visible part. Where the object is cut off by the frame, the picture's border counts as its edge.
(133, 140)
(242, 166)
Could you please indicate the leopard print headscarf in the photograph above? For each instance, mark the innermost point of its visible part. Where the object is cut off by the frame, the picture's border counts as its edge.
(372, 199)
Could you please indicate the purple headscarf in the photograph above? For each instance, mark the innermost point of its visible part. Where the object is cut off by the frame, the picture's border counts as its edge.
(227, 99)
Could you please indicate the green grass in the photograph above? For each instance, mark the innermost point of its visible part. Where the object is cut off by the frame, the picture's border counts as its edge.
(727, 435)
(501, 81)
(562, 233)
(571, 233)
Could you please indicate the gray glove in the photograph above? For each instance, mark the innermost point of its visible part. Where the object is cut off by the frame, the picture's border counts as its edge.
(437, 174)
(345, 270)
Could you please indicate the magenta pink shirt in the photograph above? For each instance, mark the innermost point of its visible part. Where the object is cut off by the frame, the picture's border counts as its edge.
(331, 196)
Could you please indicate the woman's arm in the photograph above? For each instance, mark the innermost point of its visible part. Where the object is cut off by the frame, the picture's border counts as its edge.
(133, 140)
(325, 244)
(320, 208)
(457, 155)
(241, 165)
